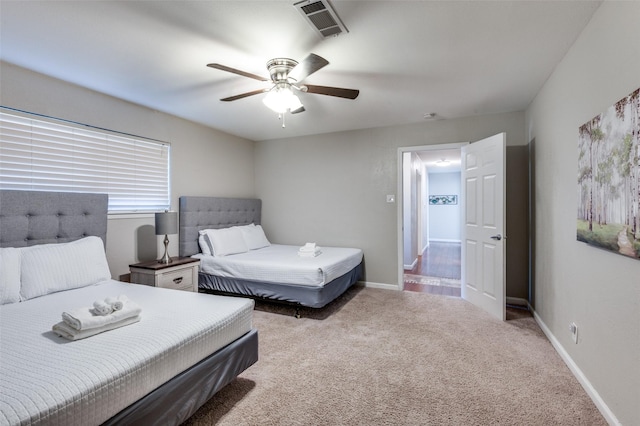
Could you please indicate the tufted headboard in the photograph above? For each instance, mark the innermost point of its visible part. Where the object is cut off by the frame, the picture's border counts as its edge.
(197, 213)
(28, 218)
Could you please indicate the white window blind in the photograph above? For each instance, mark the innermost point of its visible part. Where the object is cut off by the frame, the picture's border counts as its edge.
(43, 155)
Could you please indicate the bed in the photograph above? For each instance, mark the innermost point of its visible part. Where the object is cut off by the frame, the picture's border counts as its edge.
(275, 272)
(160, 369)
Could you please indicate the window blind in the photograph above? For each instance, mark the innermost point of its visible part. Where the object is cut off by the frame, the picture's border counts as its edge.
(56, 156)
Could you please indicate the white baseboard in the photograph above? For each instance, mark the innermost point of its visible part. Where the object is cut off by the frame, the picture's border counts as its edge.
(378, 285)
(410, 267)
(582, 379)
(518, 301)
(444, 240)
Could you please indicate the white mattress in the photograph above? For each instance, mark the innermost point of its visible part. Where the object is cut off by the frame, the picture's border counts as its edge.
(281, 264)
(45, 379)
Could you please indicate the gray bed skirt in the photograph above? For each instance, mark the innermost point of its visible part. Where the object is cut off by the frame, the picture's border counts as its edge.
(179, 398)
(313, 297)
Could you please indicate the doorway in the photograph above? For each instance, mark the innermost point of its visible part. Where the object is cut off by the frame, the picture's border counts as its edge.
(432, 219)
(482, 201)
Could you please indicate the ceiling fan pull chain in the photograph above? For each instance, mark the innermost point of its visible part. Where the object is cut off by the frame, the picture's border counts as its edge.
(282, 116)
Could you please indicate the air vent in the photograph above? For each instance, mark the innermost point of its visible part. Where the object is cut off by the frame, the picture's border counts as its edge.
(322, 17)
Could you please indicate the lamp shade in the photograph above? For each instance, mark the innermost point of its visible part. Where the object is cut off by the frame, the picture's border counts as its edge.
(166, 223)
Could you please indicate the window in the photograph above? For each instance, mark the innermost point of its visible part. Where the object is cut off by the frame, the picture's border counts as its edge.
(45, 154)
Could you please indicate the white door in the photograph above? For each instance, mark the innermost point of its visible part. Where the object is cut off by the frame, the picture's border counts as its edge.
(483, 248)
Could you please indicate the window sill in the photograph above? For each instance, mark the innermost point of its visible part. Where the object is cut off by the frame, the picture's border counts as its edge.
(142, 215)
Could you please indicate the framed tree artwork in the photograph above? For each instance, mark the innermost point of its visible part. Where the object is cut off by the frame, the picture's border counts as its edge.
(609, 178)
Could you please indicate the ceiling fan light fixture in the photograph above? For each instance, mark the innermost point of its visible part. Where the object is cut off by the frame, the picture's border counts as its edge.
(281, 99)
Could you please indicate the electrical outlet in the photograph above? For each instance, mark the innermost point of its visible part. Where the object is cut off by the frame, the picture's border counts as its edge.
(573, 329)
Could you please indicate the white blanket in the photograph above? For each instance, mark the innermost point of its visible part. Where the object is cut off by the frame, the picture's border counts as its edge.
(46, 379)
(282, 264)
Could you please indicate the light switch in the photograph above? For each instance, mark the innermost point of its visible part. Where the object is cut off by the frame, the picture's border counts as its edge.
(391, 198)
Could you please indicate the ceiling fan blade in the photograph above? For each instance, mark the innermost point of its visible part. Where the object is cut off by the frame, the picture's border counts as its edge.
(332, 91)
(308, 66)
(299, 110)
(239, 72)
(244, 95)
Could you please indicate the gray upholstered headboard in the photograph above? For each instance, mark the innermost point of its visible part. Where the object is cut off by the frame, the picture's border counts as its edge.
(28, 218)
(197, 213)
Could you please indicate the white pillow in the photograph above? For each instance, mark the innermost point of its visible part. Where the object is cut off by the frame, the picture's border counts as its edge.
(254, 236)
(9, 275)
(203, 242)
(226, 241)
(56, 267)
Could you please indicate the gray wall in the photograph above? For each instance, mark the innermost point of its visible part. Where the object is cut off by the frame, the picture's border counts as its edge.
(517, 205)
(332, 188)
(411, 249)
(204, 161)
(597, 289)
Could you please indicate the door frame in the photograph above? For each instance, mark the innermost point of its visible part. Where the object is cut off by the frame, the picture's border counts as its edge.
(400, 198)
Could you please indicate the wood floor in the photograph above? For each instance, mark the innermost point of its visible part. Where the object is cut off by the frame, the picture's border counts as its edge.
(437, 271)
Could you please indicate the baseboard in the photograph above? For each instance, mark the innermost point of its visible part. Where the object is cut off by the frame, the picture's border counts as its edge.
(582, 379)
(410, 267)
(378, 285)
(444, 240)
(518, 301)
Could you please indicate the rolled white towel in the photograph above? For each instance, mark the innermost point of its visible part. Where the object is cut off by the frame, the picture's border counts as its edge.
(116, 303)
(102, 308)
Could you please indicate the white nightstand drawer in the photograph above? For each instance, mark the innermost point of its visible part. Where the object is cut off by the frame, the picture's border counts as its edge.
(180, 274)
(179, 280)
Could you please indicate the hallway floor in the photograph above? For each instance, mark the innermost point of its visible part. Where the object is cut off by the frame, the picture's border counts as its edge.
(437, 271)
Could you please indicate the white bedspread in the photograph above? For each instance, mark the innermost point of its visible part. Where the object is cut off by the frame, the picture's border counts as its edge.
(46, 379)
(281, 264)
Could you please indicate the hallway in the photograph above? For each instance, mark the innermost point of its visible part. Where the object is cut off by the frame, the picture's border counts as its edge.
(437, 271)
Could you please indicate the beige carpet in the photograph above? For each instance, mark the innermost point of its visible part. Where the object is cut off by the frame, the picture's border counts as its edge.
(381, 357)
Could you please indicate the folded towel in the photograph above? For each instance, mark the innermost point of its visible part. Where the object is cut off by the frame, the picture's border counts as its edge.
(63, 329)
(85, 319)
(102, 308)
(314, 253)
(308, 247)
(116, 303)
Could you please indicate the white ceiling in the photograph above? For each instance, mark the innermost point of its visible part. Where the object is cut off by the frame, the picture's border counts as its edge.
(441, 160)
(407, 58)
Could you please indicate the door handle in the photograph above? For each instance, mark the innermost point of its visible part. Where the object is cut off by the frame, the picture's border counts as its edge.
(497, 237)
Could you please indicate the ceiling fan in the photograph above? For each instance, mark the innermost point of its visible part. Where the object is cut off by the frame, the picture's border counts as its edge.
(287, 76)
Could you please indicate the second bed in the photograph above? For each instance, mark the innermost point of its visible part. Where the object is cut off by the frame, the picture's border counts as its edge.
(273, 272)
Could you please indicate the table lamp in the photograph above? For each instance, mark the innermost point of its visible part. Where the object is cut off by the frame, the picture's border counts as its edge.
(166, 223)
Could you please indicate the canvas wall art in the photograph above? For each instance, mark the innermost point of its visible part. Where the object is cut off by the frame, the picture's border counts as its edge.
(443, 200)
(609, 178)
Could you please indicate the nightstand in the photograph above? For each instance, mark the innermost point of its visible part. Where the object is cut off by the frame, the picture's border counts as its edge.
(181, 274)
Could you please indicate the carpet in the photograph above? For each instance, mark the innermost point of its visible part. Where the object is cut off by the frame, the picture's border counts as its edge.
(383, 357)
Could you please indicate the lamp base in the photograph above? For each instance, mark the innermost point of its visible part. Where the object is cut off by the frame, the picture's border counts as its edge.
(166, 259)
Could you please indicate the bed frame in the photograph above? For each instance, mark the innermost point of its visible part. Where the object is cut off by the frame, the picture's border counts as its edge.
(32, 217)
(198, 213)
